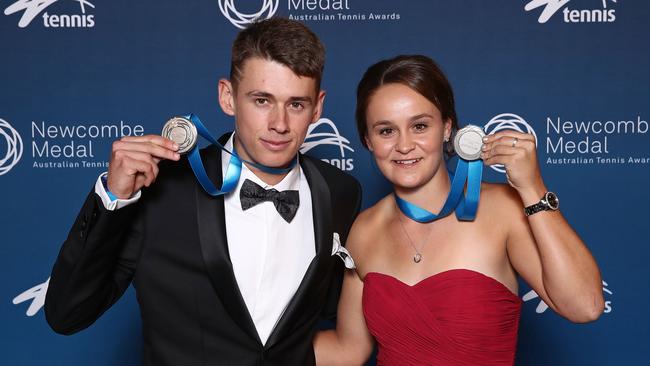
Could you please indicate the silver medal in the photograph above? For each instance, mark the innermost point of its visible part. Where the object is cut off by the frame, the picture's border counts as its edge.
(182, 131)
(468, 142)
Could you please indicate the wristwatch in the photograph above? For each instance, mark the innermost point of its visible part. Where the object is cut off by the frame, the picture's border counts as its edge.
(548, 202)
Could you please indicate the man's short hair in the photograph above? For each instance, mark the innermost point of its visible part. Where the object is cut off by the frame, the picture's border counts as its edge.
(285, 41)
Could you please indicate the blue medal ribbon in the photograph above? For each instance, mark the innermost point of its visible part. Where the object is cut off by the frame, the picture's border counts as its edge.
(233, 172)
(465, 205)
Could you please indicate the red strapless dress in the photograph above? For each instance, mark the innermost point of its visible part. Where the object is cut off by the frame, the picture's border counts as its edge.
(457, 317)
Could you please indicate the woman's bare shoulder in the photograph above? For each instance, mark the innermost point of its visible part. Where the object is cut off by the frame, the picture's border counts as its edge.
(500, 194)
(367, 225)
(502, 202)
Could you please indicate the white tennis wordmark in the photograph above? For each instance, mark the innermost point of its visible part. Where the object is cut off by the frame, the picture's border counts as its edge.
(553, 6)
(32, 8)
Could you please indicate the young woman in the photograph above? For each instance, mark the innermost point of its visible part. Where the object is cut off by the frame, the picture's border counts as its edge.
(445, 292)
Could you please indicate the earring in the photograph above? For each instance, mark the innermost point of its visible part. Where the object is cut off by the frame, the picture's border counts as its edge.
(446, 138)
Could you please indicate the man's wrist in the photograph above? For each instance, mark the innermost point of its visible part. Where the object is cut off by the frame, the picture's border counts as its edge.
(110, 201)
(110, 195)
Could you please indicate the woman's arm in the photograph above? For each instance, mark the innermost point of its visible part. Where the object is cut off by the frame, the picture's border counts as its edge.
(350, 343)
(542, 247)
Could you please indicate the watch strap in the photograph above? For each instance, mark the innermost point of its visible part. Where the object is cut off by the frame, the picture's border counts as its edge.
(543, 204)
(535, 208)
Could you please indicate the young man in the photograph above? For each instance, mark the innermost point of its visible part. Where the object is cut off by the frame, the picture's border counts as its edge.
(218, 281)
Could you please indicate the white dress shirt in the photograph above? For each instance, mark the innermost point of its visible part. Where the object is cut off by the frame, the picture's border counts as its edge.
(269, 255)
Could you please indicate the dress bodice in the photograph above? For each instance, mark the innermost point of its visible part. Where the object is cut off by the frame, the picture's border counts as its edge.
(456, 317)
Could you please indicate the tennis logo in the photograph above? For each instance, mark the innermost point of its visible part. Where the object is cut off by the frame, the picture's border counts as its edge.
(241, 20)
(35, 296)
(324, 132)
(33, 8)
(507, 121)
(14, 147)
(604, 14)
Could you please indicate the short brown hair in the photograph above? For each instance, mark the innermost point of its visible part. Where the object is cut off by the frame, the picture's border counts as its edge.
(419, 73)
(282, 40)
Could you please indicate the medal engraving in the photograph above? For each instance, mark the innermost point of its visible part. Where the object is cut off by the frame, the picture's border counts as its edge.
(182, 131)
(468, 142)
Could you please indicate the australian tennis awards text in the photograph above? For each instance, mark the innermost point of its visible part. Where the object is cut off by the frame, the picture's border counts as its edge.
(51, 140)
(334, 10)
(589, 137)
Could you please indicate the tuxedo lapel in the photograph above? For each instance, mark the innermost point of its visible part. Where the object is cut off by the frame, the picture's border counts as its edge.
(317, 270)
(214, 246)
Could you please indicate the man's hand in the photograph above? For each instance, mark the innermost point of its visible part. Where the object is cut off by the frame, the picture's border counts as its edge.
(134, 162)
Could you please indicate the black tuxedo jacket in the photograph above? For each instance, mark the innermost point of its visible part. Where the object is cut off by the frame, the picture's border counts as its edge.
(172, 246)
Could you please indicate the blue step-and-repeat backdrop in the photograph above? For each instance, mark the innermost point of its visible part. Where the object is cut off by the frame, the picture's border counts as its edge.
(78, 74)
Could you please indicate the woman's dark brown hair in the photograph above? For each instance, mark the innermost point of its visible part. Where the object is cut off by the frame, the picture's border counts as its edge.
(419, 73)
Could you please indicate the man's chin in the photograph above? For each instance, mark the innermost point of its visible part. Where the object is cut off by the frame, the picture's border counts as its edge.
(277, 162)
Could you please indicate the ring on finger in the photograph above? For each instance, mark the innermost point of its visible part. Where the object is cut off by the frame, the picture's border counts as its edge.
(514, 142)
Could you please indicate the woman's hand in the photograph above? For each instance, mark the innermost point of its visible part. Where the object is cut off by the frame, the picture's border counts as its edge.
(517, 152)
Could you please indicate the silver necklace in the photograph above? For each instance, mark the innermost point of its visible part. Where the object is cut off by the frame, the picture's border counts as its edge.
(417, 258)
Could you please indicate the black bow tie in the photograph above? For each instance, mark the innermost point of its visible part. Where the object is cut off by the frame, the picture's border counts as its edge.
(286, 202)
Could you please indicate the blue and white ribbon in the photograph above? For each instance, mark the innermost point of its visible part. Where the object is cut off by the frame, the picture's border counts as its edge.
(465, 205)
(233, 172)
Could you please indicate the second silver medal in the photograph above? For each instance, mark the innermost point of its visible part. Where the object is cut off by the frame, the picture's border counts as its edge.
(182, 131)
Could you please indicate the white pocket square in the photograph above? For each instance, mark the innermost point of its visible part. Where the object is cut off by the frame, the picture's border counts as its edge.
(343, 253)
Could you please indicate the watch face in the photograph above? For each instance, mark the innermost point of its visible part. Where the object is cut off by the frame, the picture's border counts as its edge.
(552, 200)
